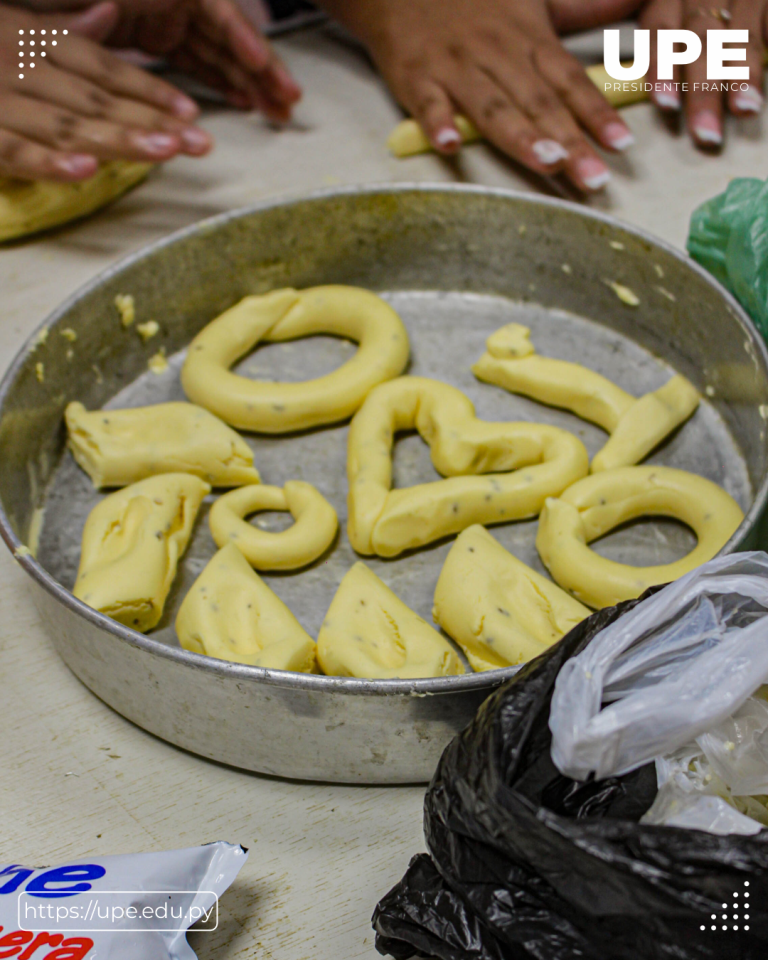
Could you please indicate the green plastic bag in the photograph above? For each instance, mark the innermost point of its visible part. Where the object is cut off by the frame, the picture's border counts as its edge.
(729, 237)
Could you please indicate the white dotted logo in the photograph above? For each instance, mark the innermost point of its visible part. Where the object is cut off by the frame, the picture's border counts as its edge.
(735, 917)
(33, 43)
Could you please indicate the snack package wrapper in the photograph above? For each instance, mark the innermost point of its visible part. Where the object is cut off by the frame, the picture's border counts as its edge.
(131, 907)
(526, 863)
(729, 237)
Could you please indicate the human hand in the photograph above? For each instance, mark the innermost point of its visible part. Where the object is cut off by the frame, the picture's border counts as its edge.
(81, 104)
(704, 109)
(501, 63)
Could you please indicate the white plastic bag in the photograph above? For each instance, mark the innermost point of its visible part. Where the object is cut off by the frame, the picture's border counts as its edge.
(674, 668)
(132, 907)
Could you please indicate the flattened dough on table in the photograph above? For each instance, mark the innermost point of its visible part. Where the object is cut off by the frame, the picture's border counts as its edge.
(370, 633)
(544, 460)
(636, 426)
(499, 610)
(119, 447)
(267, 407)
(132, 543)
(310, 536)
(28, 206)
(231, 614)
(598, 503)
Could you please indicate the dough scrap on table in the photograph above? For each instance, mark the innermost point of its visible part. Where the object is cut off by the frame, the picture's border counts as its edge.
(288, 314)
(636, 426)
(231, 614)
(544, 461)
(132, 543)
(598, 503)
(310, 536)
(119, 447)
(499, 610)
(28, 206)
(370, 633)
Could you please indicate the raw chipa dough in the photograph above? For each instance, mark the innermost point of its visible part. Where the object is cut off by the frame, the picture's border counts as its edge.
(595, 505)
(499, 611)
(132, 543)
(264, 407)
(231, 614)
(118, 447)
(27, 206)
(545, 461)
(370, 633)
(636, 426)
(310, 536)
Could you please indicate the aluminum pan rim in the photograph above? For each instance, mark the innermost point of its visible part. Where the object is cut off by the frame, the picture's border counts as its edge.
(315, 683)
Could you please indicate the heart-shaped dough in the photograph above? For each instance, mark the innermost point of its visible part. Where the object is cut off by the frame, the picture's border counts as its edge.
(545, 461)
(288, 314)
(636, 426)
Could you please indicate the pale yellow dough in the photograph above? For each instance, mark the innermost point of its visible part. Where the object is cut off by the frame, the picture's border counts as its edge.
(544, 461)
(594, 506)
(310, 536)
(370, 633)
(231, 614)
(264, 407)
(118, 447)
(132, 543)
(499, 611)
(636, 426)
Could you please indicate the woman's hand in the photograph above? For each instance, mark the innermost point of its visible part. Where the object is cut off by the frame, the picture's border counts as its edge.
(704, 109)
(501, 63)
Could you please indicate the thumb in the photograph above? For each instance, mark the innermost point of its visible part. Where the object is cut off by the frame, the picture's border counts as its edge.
(96, 22)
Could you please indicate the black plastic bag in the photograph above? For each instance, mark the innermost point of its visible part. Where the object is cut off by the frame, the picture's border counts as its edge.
(526, 864)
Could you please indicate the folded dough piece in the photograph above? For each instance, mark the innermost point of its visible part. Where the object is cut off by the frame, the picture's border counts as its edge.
(118, 447)
(132, 543)
(370, 633)
(231, 614)
(499, 611)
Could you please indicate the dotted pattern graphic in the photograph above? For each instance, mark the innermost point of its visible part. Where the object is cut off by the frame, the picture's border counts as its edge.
(735, 917)
(32, 44)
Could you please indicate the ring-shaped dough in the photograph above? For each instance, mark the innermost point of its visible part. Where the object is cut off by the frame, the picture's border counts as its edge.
(544, 461)
(288, 314)
(308, 538)
(637, 426)
(602, 501)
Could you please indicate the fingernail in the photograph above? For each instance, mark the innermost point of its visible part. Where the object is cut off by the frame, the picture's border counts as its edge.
(196, 140)
(78, 164)
(618, 136)
(593, 173)
(286, 80)
(184, 107)
(158, 144)
(667, 98)
(549, 151)
(750, 100)
(448, 137)
(707, 128)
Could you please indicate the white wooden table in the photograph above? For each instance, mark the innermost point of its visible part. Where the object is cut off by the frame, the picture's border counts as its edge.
(78, 779)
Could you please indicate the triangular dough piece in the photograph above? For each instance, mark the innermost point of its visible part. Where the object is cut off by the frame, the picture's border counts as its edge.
(231, 614)
(499, 611)
(369, 633)
(132, 543)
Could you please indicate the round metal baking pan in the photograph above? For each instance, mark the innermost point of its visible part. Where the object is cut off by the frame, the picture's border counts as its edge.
(457, 262)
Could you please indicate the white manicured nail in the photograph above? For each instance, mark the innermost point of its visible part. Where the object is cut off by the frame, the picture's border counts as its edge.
(668, 101)
(618, 136)
(593, 173)
(549, 151)
(707, 127)
(447, 137)
(750, 101)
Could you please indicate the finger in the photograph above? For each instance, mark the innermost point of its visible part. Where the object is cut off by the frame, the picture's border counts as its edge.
(96, 22)
(503, 123)
(746, 15)
(663, 15)
(108, 72)
(68, 132)
(427, 101)
(566, 76)
(186, 61)
(21, 158)
(703, 107)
